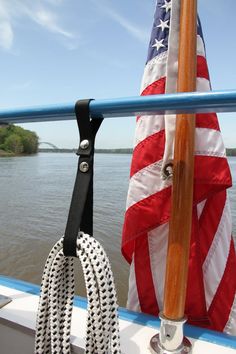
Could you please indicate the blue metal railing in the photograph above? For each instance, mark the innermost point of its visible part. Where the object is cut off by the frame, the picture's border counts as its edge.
(215, 101)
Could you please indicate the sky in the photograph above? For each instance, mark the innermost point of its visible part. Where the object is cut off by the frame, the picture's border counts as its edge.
(56, 51)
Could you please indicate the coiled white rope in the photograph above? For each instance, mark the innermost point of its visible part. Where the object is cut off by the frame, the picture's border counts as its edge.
(56, 301)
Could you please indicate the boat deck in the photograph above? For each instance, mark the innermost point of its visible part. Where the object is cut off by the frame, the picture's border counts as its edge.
(17, 325)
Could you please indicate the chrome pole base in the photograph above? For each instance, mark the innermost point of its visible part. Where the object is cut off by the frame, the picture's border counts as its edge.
(156, 347)
(170, 340)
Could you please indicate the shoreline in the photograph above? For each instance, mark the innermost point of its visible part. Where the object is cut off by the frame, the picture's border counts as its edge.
(230, 152)
(4, 153)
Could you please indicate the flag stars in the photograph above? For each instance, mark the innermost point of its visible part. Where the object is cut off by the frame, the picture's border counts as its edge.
(163, 25)
(166, 6)
(158, 44)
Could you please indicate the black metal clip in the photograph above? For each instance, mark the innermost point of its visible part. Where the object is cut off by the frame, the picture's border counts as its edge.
(81, 208)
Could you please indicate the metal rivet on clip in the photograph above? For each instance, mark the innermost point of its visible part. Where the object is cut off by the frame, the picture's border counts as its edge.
(84, 144)
(84, 167)
(167, 172)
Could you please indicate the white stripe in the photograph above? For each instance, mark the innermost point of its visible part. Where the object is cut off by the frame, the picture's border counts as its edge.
(158, 241)
(215, 262)
(209, 142)
(147, 126)
(154, 70)
(146, 182)
(230, 327)
(200, 208)
(172, 75)
(133, 299)
(166, 65)
(171, 79)
(172, 56)
(203, 85)
(173, 51)
(200, 47)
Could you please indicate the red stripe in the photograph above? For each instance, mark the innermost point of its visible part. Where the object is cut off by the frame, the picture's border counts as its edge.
(207, 120)
(144, 281)
(202, 68)
(148, 151)
(208, 169)
(195, 307)
(144, 216)
(158, 86)
(211, 175)
(221, 305)
(155, 88)
(209, 221)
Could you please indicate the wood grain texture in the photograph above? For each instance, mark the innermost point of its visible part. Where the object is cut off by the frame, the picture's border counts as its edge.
(182, 190)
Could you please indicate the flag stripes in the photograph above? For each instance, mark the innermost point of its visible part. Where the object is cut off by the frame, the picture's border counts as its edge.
(211, 281)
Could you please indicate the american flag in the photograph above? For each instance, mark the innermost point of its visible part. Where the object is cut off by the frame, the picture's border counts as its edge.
(211, 290)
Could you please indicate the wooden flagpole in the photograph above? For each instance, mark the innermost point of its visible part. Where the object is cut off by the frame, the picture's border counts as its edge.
(183, 170)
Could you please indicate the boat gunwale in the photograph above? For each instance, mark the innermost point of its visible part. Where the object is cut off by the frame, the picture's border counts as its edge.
(194, 332)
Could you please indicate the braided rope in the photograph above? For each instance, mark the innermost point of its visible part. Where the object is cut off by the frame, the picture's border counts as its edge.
(56, 301)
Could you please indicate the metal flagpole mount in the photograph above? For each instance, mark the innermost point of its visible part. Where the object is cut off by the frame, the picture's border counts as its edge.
(170, 340)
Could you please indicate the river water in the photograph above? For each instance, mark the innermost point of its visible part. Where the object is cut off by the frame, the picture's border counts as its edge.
(35, 193)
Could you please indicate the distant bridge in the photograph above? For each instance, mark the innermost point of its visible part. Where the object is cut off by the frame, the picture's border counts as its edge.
(49, 144)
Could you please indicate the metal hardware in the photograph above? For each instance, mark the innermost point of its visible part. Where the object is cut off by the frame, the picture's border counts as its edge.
(4, 300)
(167, 172)
(170, 340)
(84, 167)
(84, 144)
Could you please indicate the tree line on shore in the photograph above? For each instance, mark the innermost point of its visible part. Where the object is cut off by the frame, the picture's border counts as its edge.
(15, 140)
(229, 151)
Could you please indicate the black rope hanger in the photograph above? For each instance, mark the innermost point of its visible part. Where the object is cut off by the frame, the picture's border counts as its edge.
(81, 208)
(54, 317)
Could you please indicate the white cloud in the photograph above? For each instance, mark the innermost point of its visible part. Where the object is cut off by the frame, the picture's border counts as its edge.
(48, 21)
(6, 35)
(13, 11)
(134, 30)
